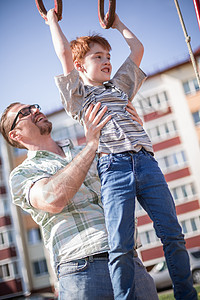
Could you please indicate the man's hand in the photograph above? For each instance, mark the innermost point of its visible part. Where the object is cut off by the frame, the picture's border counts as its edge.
(54, 193)
(93, 123)
(134, 115)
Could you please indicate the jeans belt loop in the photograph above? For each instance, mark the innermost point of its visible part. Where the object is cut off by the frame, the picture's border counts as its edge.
(90, 258)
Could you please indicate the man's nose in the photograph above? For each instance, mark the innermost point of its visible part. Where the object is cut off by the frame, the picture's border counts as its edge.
(34, 110)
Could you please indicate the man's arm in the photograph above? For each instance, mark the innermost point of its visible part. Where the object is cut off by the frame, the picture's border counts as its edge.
(60, 42)
(136, 47)
(54, 193)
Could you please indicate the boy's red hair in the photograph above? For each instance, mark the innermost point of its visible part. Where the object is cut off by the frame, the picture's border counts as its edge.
(82, 45)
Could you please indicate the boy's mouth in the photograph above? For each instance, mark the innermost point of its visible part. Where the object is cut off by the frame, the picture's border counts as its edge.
(106, 70)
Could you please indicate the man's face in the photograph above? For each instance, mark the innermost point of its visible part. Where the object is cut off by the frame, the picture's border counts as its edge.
(29, 120)
(97, 66)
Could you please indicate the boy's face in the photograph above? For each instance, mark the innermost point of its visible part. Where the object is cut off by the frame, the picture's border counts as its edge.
(96, 66)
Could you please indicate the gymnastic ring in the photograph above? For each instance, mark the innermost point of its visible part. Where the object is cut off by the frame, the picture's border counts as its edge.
(43, 12)
(111, 13)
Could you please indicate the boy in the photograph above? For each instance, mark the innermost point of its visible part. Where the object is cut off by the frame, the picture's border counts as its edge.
(126, 165)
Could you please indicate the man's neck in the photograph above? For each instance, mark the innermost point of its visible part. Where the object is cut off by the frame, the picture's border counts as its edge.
(47, 144)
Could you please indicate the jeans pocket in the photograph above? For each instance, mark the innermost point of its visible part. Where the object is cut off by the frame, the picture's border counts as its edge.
(103, 165)
(72, 267)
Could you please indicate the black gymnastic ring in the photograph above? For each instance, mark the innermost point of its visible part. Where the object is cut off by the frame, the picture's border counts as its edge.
(111, 13)
(43, 12)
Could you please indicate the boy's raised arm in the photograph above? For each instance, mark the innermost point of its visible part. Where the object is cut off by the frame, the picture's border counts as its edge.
(135, 45)
(61, 44)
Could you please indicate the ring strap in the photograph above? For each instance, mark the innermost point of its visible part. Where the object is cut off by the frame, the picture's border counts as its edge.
(111, 13)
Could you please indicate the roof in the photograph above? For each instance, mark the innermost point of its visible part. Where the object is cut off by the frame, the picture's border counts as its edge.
(196, 53)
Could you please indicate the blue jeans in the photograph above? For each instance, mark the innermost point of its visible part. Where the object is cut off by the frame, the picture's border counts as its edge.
(125, 176)
(89, 279)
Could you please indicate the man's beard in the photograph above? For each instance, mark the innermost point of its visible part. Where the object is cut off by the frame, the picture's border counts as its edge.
(46, 128)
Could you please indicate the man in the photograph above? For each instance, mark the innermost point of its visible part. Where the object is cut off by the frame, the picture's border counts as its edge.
(58, 185)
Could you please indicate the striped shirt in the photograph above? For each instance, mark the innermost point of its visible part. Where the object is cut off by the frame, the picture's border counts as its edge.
(121, 133)
(79, 230)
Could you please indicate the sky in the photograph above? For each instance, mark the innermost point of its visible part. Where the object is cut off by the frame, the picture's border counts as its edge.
(28, 62)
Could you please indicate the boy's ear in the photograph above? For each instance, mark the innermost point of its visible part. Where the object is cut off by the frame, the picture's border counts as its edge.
(78, 66)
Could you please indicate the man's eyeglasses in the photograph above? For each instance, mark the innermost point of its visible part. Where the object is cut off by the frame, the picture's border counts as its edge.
(25, 112)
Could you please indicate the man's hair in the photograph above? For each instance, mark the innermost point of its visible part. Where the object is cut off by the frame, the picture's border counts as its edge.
(83, 44)
(5, 125)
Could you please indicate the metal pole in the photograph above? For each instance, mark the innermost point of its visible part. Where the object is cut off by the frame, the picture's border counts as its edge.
(187, 39)
(197, 10)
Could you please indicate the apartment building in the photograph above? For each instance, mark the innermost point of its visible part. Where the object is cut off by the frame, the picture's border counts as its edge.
(12, 269)
(24, 264)
(169, 103)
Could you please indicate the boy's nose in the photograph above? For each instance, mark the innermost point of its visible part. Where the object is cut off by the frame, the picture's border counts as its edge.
(107, 61)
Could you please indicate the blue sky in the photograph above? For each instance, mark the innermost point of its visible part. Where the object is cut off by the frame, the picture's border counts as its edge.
(28, 63)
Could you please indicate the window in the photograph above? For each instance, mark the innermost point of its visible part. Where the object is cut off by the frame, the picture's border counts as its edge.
(153, 103)
(193, 224)
(196, 117)
(184, 227)
(40, 267)
(4, 271)
(183, 192)
(190, 225)
(190, 86)
(9, 270)
(34, 236)
(163, 131)
(148, 237)
(15, 268)
(168, 162)
(2, 242)
(6, 238)
(1, 175)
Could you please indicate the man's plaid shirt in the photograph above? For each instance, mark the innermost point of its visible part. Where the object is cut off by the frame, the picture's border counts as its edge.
(79, 230)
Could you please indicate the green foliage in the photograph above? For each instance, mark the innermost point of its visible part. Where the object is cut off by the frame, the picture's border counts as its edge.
(169, 296)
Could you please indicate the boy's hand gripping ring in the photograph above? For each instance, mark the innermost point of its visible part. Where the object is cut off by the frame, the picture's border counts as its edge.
(106, 23)
(43, 11)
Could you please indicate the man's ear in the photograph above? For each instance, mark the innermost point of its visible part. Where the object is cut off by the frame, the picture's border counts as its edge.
(78, 66)
(15, 135)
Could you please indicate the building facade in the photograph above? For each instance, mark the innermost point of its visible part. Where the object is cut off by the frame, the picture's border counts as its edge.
(12, 269)
(169, 103)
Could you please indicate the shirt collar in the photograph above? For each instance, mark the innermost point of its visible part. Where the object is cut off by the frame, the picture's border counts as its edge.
(97, 89)
(62, 143)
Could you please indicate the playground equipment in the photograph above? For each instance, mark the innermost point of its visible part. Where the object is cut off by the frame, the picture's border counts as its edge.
(43, 12)
(107, 20)
(197, 10)
(188, 39)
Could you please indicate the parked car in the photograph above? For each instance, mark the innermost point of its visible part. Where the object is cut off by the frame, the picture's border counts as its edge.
(161, 275)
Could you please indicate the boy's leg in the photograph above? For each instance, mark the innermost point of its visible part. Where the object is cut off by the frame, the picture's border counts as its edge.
(118, 198)
(155, 197)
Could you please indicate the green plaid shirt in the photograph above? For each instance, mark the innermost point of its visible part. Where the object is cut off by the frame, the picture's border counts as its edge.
(79, 230)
